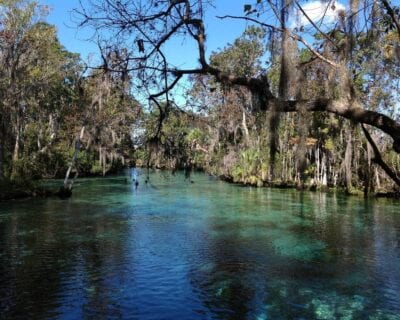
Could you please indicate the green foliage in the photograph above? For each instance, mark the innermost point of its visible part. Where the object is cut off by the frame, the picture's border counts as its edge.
(329, 144)
(46, 101)
(243, 57)
(305, 55)
(250, 168)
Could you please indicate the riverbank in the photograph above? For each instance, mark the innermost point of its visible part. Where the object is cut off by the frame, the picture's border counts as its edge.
(15, 194)
(45, 188)
(10, 192)
(395, 194)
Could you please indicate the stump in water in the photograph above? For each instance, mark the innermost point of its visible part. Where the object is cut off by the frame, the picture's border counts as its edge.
(64, 193)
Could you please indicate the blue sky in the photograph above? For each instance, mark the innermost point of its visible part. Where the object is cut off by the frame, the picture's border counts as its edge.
(70, 37)
(219, 33)
(181, 53)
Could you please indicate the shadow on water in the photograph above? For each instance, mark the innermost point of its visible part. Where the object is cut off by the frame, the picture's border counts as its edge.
(57, 259)
(209, 250)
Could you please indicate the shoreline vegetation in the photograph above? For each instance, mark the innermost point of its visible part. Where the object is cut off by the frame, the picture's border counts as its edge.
(35, 190)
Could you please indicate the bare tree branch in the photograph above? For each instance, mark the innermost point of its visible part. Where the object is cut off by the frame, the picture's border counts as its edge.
(314, 25)
(290, 33)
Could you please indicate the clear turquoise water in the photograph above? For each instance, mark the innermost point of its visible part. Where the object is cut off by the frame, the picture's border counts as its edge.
(203, 250)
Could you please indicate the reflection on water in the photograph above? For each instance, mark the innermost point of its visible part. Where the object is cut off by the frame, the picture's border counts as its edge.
(208, 250)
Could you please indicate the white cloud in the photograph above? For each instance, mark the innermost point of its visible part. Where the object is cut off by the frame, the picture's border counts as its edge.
(316, 10)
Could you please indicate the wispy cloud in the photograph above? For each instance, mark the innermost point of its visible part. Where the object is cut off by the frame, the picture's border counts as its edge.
(316, 10)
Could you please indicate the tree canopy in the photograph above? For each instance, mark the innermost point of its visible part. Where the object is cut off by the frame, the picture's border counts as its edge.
(344, 62)
(50, 100)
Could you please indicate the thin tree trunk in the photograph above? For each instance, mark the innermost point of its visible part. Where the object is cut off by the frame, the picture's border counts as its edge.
(104, 163)
(78, 141)
(348, 158)
(245, 129)
(318, 174)
(15, 156)
(377, 180)
(16, 145)
(369, 181)
(324, 177)
(2, 157)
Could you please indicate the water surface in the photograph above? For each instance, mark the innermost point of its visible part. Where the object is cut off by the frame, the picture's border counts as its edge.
(203, 250)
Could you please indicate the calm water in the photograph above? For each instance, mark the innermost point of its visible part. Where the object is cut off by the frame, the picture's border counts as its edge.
(202, 250)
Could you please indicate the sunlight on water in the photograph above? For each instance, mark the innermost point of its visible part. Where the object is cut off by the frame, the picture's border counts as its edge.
(203, 250)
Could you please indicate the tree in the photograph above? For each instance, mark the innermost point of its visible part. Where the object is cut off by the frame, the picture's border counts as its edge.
(55, 115)
(341, 51)
(33, 67)
(104, 122)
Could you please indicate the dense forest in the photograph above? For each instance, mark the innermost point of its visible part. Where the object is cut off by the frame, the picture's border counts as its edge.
(58, 117)
(311, 107)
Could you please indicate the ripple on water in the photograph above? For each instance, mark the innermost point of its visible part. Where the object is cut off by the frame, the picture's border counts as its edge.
(207, 250)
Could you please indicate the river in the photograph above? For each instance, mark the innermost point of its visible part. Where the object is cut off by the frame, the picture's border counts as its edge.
(173, 249)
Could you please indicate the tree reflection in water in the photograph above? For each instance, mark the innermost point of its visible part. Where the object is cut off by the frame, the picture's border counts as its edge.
(194, 251)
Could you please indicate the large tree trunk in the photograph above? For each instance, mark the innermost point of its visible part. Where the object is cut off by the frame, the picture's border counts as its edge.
(284, 86)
